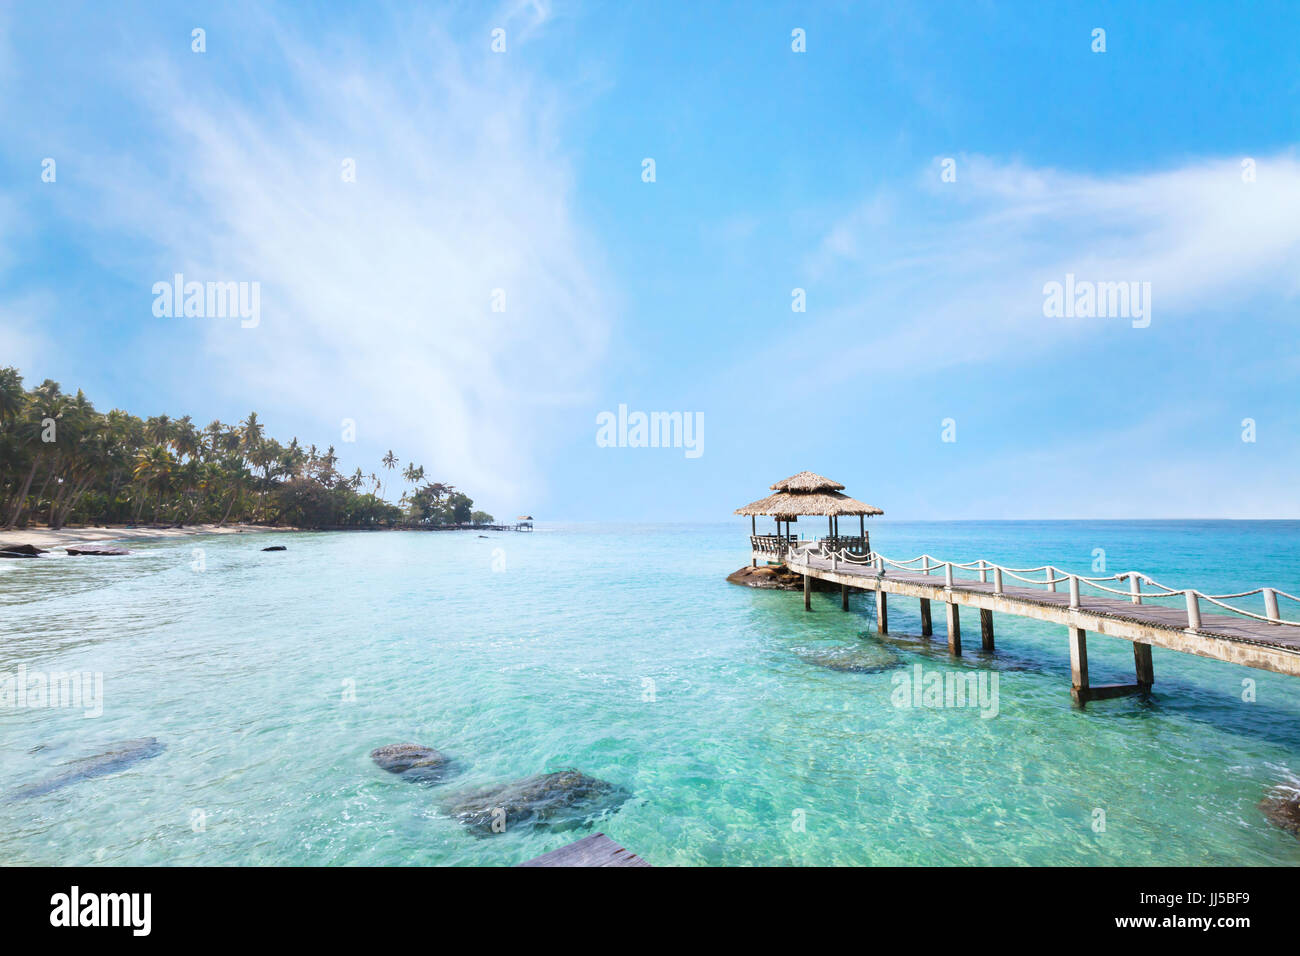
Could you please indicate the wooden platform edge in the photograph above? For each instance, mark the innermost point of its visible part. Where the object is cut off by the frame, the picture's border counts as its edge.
(594, 850)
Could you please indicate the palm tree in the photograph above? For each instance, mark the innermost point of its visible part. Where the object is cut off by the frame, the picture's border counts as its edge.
(154, 466)
(389, 461)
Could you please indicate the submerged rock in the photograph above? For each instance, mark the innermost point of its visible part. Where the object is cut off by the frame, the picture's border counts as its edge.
(276, 547)
(96, 550)
(117, 757)
(17, 554)
(412, 762)
(1281, 806)
(559, 800)
(854, 658)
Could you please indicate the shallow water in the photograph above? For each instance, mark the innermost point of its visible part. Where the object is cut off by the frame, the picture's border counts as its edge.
(620, 651)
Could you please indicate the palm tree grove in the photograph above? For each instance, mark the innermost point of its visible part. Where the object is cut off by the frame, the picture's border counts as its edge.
(64, 463)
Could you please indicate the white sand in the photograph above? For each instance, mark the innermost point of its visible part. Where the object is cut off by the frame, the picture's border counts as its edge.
(45, 538)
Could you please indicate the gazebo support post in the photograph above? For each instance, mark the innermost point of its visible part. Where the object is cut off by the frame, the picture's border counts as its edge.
(753, 532)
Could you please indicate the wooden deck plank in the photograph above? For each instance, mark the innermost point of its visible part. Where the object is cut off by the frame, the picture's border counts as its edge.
(594, 850)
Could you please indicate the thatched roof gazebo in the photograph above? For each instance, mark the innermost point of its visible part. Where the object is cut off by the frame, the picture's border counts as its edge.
(807, 494)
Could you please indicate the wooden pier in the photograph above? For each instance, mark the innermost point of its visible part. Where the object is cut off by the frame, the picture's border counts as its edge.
(595, 850)
(1121, 610)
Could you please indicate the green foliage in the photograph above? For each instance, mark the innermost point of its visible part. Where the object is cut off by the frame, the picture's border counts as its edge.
(63, 462)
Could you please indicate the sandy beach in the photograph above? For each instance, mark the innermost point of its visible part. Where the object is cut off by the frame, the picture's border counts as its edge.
(46, 538)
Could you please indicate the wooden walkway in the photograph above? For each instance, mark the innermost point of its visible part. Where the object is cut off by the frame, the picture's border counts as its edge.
(595, 850)
(1224, 637)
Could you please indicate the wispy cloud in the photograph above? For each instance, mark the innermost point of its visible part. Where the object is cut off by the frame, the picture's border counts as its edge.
(377, 294)
(966, 261)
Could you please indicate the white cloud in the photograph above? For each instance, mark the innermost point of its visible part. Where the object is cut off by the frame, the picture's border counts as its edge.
(376, 295)
(966, 261)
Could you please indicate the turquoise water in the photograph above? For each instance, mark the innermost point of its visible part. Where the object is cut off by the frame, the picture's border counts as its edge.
(621, 651)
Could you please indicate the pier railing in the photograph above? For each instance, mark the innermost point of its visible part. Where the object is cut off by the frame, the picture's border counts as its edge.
(1130, 584)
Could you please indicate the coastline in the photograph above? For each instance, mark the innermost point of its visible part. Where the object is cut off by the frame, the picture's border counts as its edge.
(48, 538)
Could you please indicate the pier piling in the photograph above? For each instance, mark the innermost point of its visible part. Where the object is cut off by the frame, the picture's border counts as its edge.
(1079, 665)
(882, 613)
(807, 592)
(844, 597)
(1146, 674)
(986, 628)
(927, 628)
(954, 629)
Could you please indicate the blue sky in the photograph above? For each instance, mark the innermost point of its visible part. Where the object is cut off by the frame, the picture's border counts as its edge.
(775, 170)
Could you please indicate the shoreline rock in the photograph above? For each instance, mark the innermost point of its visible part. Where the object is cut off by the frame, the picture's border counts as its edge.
(95, 550)
(776, 578)
(30, 550)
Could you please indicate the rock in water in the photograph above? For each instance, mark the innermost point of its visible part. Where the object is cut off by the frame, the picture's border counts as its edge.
(559, 800)
(28, 549)
(412, 761)
(17, 554)
(1281, 806)
(117, 757)
(854, 658)
(276, 547)
(91, 549)
(776, 578)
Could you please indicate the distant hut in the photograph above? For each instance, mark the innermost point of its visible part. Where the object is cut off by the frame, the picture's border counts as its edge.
(524, 523)
(802, 495)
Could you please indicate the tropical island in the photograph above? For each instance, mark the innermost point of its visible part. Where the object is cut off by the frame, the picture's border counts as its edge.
(64, 464)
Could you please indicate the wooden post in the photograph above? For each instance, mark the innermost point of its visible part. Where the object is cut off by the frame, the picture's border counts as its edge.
(807, 592)
(997, 580)
(753, 530)
(1270, 605)
(926, 627)
(1051, 578)
(844, 597)
(1193, 610)
(1135, 588)
(882, 613)
(1079, 665)
(862, 532)
(954, 630)
(1146, 674)
(986, 628)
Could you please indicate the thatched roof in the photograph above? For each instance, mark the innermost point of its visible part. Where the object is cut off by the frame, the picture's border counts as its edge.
(790, 504)
(524, 518)
(806, 481)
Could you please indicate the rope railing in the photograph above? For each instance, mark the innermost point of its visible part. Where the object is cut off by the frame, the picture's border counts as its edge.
(1052, 576)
